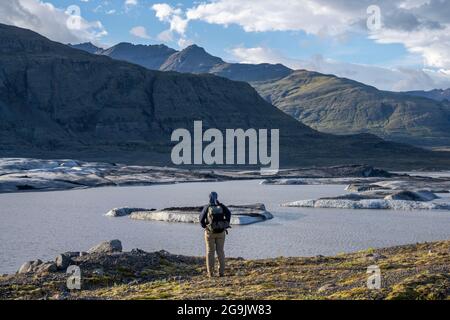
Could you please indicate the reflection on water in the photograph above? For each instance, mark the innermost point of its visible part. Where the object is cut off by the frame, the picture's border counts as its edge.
(41, 225)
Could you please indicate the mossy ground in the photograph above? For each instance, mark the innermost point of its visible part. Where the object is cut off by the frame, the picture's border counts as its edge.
(418, 271)
(410, 272)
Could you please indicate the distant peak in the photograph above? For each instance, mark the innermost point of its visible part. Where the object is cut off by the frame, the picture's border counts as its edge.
(140, 45)
(86, 46)
(195, 50)
(124, 44)
(194, 47)
(81, 44)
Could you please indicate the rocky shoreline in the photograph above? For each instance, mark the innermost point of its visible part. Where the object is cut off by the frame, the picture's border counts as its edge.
(418, 271)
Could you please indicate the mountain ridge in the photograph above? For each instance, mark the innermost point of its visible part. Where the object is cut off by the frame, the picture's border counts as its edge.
(192, 59)
(60, 101)
(435, 94)
(353, 107)
(87, 46)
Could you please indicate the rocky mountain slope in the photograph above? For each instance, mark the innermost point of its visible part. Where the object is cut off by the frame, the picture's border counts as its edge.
(342, 106)
(56, 101)
(324, 102)
(151, 57)
(88, 47)
(192, 59)
(195, 59)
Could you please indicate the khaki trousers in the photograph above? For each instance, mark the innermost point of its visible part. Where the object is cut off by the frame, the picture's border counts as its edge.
(215, 242)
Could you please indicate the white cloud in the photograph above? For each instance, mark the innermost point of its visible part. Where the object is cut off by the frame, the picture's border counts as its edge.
(432, 45)
(177, 24)
(409, 4)
(311, 16)
(183, 43)
(46, 19)
(131, 2)
(173, 16)
(165, 36)
(395, 79)
(139, 32)
(257, 55)
(164, 12)
(422, 26)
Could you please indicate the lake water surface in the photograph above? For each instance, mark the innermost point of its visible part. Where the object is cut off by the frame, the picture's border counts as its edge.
(43, 224)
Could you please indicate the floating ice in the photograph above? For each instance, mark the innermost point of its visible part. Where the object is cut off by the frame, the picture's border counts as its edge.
(120, 212)
(318, 181)
(240, 214)
(369, 204)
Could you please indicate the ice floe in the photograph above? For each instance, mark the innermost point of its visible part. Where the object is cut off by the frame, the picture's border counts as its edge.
(318, 181)
(369, 204)
(125, 211)
(240, 214)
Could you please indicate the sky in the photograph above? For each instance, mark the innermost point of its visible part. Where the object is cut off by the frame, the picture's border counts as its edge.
(393, 45)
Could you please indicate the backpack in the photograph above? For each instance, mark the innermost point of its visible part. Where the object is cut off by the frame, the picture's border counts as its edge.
(216, 219)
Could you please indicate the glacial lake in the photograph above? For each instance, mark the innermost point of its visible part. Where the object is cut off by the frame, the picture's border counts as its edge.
(42, 224)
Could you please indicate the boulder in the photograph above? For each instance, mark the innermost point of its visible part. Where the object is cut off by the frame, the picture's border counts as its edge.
(327, 287)
(47, 267)
(107, 247)
(98, 272)
(72, 254)
(36, 263)
(61, 296)
(375, 256)
(37, 266)
(62, 261)
(26, 267)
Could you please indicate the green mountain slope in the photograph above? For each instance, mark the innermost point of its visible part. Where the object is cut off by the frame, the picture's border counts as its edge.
(341, 106)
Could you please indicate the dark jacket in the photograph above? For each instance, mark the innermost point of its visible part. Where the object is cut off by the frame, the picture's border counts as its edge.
(204, 214)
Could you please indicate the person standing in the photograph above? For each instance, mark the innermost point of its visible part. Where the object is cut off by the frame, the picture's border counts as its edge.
(215, 219)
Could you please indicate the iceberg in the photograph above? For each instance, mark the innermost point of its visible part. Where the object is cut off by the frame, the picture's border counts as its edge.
(240, 214)
(121, 212)
(369, 204)
(318, 181)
